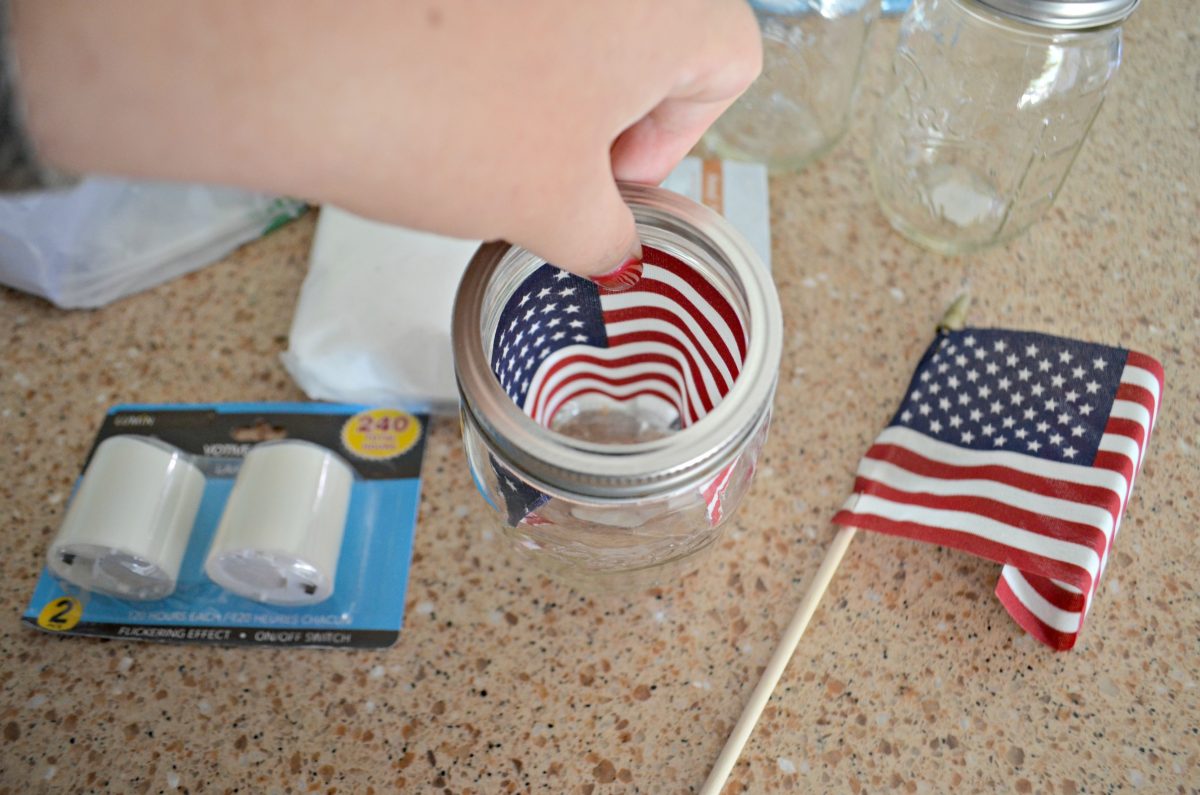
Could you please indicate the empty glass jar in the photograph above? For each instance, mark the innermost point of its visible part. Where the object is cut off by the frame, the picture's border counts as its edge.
(800, 105)
(614, 433)
(988, 105)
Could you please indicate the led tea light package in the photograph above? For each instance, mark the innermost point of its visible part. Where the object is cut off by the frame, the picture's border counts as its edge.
(281, 534)
(283, 524)
(126, 531)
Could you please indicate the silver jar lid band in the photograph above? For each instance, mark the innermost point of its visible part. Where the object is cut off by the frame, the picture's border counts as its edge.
(696, 235)
(1064, 14)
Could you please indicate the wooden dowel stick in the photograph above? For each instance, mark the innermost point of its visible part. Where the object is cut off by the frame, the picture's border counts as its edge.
(779, 660)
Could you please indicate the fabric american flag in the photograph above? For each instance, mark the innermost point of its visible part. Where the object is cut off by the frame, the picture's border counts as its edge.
(673, 340)
(1021, 448)
(521, 500)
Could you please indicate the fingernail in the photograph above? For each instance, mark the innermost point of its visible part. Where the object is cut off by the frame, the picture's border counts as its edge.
(622, 278)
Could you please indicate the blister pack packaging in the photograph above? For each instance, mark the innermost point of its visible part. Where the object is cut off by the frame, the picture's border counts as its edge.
(279, 524)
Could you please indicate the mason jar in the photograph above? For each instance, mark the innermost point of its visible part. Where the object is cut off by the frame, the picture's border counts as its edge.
(613, 434)
(988, 104)
(799, 106)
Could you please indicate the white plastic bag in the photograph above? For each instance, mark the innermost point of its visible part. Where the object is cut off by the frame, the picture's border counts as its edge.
(105, 238)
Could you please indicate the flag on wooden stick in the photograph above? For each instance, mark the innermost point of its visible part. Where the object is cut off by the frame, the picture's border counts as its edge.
(1021, 448)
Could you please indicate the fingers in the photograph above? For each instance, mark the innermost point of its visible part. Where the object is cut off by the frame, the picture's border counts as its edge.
(730, 58)
(650, 149)
(585, 226)
(580, 222)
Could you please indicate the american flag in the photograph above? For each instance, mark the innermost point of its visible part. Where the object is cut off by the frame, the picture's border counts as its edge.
(673, 340)
(1021, 448)
(521, 500)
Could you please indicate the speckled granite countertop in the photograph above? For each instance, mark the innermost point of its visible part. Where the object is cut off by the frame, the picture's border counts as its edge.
(912, 677)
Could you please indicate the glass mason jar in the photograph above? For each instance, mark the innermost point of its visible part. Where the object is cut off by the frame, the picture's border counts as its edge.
(614, 433)
(987, 107)
(800, 105)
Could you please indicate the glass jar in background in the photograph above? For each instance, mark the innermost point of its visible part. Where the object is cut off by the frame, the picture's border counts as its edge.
(800, 105)
(987, 107)
(614, 433)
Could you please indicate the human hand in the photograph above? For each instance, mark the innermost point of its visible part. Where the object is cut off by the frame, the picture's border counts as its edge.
(477, 119)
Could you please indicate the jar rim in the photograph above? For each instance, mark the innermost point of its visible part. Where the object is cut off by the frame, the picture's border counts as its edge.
(626, 471)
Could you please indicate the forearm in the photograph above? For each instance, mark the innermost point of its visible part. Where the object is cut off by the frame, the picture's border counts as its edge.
(218, 91)
(467, 117)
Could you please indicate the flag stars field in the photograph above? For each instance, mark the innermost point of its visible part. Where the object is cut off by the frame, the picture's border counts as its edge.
(1042, 382)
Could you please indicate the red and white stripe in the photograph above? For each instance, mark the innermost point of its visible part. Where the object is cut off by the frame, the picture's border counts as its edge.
(714, 493)
(1051, 524)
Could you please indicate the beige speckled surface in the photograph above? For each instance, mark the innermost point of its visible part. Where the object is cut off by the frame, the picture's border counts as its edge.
(912, 678)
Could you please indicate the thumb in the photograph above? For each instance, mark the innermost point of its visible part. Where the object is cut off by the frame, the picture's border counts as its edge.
(587, 228)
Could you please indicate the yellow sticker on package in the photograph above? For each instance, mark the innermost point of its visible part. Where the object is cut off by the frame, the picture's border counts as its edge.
(61, 614)
(380, 434)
